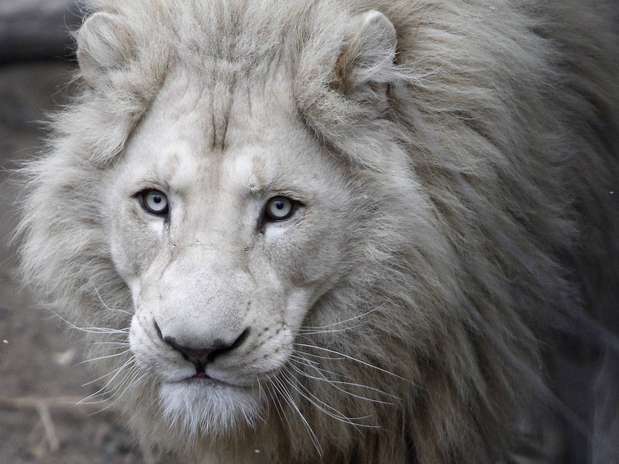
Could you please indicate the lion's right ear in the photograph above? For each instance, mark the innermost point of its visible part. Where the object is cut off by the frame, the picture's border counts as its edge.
(104, 43)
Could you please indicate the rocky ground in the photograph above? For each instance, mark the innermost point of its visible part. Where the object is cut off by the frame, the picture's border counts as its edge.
(40, 373)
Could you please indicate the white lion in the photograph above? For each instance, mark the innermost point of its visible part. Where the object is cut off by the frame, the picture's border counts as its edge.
(328, 231)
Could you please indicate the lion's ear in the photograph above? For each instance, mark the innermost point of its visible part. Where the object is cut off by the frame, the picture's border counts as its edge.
(104, 43)
(369, 52)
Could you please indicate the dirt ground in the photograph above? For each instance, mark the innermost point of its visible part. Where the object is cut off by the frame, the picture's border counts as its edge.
(40, 373)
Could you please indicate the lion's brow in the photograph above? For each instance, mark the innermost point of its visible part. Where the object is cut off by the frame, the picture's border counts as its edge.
(220, 107)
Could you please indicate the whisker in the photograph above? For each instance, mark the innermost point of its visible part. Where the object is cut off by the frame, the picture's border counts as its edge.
(336, 384)
(135, 379)
(262, 394)
(107, 307)
(129, 362)
(322, 370)
(94, 330)
(101, 358)
(334, 324)
(317, 402)
(108, 394)
(308, 427)
(315, 364)
(90, 382)
(306, 332)
(276, 403)
(317, 356)
(121, 344)
(105, 330)
(364, 363)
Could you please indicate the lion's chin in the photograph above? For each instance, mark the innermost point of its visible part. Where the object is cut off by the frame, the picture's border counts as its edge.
(207, 407)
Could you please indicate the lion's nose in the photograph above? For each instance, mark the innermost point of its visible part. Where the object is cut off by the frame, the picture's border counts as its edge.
(200, 356)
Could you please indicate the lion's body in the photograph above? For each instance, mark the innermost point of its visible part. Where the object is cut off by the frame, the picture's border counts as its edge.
(480, 210)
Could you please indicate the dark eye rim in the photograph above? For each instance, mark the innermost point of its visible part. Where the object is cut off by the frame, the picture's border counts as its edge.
(141, 197)
(268, 218)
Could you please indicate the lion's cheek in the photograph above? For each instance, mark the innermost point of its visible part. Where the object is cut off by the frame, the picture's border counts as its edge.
(133, 246)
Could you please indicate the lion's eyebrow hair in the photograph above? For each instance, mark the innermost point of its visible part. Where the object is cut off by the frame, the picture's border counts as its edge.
(151, 177)
(276, 187)
(258, 186)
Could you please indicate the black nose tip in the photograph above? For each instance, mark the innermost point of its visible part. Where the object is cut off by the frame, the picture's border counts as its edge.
(202, 355)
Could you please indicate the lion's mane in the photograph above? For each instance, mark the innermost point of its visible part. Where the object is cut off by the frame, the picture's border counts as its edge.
(508, 112)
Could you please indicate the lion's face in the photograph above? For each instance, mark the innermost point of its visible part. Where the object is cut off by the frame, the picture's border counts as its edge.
(226, 233)
(251, 212)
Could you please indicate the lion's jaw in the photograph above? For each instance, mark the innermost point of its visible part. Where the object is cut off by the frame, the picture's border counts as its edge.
(212, 274)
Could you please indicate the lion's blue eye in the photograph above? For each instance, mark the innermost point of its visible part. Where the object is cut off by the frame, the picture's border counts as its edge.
(280, 209)
(155, 202)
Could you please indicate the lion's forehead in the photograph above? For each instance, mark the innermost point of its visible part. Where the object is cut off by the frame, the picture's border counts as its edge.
(216, 103)
(180, 164)
(189, 127)
(187, 137)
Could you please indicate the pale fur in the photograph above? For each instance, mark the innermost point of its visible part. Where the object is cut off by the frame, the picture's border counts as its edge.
(473, 174)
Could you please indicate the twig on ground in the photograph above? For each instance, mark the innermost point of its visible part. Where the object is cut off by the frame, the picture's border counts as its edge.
(48, 426)
(44, 406)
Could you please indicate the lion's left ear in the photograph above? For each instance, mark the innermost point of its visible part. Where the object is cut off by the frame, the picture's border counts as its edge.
(369, 52)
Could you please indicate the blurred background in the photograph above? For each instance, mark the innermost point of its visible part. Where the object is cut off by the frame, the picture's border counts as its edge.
(40, 376)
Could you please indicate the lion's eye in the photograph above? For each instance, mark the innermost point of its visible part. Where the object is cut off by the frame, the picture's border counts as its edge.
(154, 202)
(279, 209)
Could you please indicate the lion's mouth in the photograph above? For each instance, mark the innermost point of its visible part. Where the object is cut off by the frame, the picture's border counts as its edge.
(203, 379)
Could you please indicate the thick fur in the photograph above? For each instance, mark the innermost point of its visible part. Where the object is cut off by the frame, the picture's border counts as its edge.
(481, 162)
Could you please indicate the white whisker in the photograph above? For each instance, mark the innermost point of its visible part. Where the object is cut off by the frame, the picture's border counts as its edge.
(364, 363)
(129, 362)
(304, 332)
(107, 307)
(317, 356)
(101, 358)
(93, 330)
(135, 379)
(323, 407)
(308, 427)
(90, 382)
(336, 384)
(335, 324)
(120, 344)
